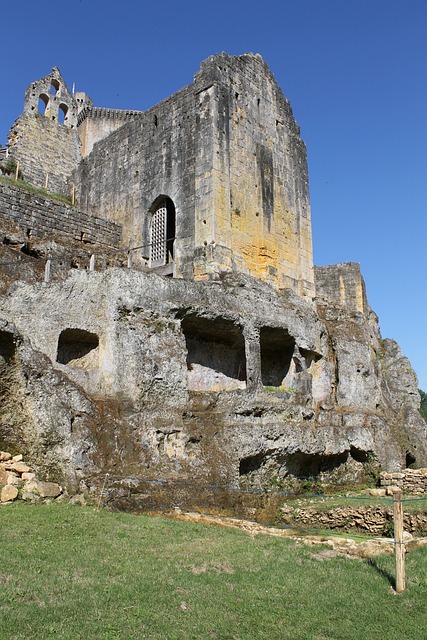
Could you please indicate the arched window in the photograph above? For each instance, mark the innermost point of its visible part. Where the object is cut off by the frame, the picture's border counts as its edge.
(162, 232)
(43, 102)
(62, 114)
(54, 87)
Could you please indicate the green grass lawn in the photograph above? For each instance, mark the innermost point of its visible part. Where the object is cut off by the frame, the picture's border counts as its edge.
(73, 572)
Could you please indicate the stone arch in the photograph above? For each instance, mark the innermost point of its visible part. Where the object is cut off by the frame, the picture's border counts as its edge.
(62, 113)
(162, 232)
(54, 86)
(43, 103)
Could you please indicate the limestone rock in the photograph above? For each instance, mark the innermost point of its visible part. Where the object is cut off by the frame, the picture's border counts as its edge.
(8, 493)
(13, 479)
(3, 476)
(17, 458)
(28, 476)
(372, 548)
(4, 455)
(31, 485)
(377, 492)
(29, 496)
(20, 467)
(78, 499)
(48, 489)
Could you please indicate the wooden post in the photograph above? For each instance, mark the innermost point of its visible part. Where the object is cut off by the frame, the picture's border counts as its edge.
(101, 493)
(92, 263)
(399, 547)
(17, 171)
(129, 259)
(46, 181)
(73, 194)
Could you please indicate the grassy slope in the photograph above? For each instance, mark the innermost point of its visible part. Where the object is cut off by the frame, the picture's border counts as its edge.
(70, 572)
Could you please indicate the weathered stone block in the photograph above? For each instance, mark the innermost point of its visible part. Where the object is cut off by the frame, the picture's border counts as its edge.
(8, 493)
(48, 489)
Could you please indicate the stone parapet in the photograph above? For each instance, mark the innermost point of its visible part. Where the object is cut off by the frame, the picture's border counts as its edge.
(103, 112)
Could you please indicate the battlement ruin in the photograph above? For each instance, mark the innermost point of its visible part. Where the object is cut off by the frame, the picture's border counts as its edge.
(212, 180)
(183, 331)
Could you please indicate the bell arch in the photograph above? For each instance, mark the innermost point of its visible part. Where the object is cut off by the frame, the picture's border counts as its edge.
(62, 113)
(42, 104)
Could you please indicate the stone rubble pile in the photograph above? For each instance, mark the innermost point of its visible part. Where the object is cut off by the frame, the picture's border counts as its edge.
(413, 481)
(17, 481)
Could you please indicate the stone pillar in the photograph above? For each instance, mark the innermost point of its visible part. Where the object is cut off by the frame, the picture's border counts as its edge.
(253, 358)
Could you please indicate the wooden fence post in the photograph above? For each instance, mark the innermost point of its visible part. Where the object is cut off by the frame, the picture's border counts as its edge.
(17, 171)
(92, 263)
(399, 547)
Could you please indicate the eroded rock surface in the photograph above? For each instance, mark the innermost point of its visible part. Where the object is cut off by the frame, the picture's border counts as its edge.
(231, 383)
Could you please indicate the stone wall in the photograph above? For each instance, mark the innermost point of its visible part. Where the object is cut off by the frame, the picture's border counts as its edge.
(44, 147)
(409, 480)
(42, 215)
(375, 520)
(128, 170)
(254, 167)
(44, 139)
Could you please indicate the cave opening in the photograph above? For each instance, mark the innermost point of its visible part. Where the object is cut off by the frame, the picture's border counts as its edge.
(77, 347)
(216, 358)
(7, 345)
(277, 348)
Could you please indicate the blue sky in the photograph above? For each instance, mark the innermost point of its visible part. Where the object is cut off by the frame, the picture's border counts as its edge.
(354, 71)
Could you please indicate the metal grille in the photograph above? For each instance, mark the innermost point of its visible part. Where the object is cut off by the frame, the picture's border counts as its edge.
(158, 237)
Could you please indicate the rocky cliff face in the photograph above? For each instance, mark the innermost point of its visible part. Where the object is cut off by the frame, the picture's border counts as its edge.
(228, 383)
(248, 368)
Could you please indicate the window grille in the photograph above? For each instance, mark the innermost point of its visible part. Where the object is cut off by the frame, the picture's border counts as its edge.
(158, 237)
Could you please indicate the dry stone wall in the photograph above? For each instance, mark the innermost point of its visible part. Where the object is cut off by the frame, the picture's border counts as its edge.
(16, 477)
(412, 481)
(375, 520)
(41, 215)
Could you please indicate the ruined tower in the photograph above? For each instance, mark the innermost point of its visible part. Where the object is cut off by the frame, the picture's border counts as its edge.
(212, 180)
(44, 139)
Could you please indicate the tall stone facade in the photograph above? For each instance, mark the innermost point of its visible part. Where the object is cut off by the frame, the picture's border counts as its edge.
(212, 180)
(226, 151)
(213, 351)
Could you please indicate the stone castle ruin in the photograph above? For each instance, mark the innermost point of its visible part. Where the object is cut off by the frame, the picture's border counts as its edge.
(181, 332)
